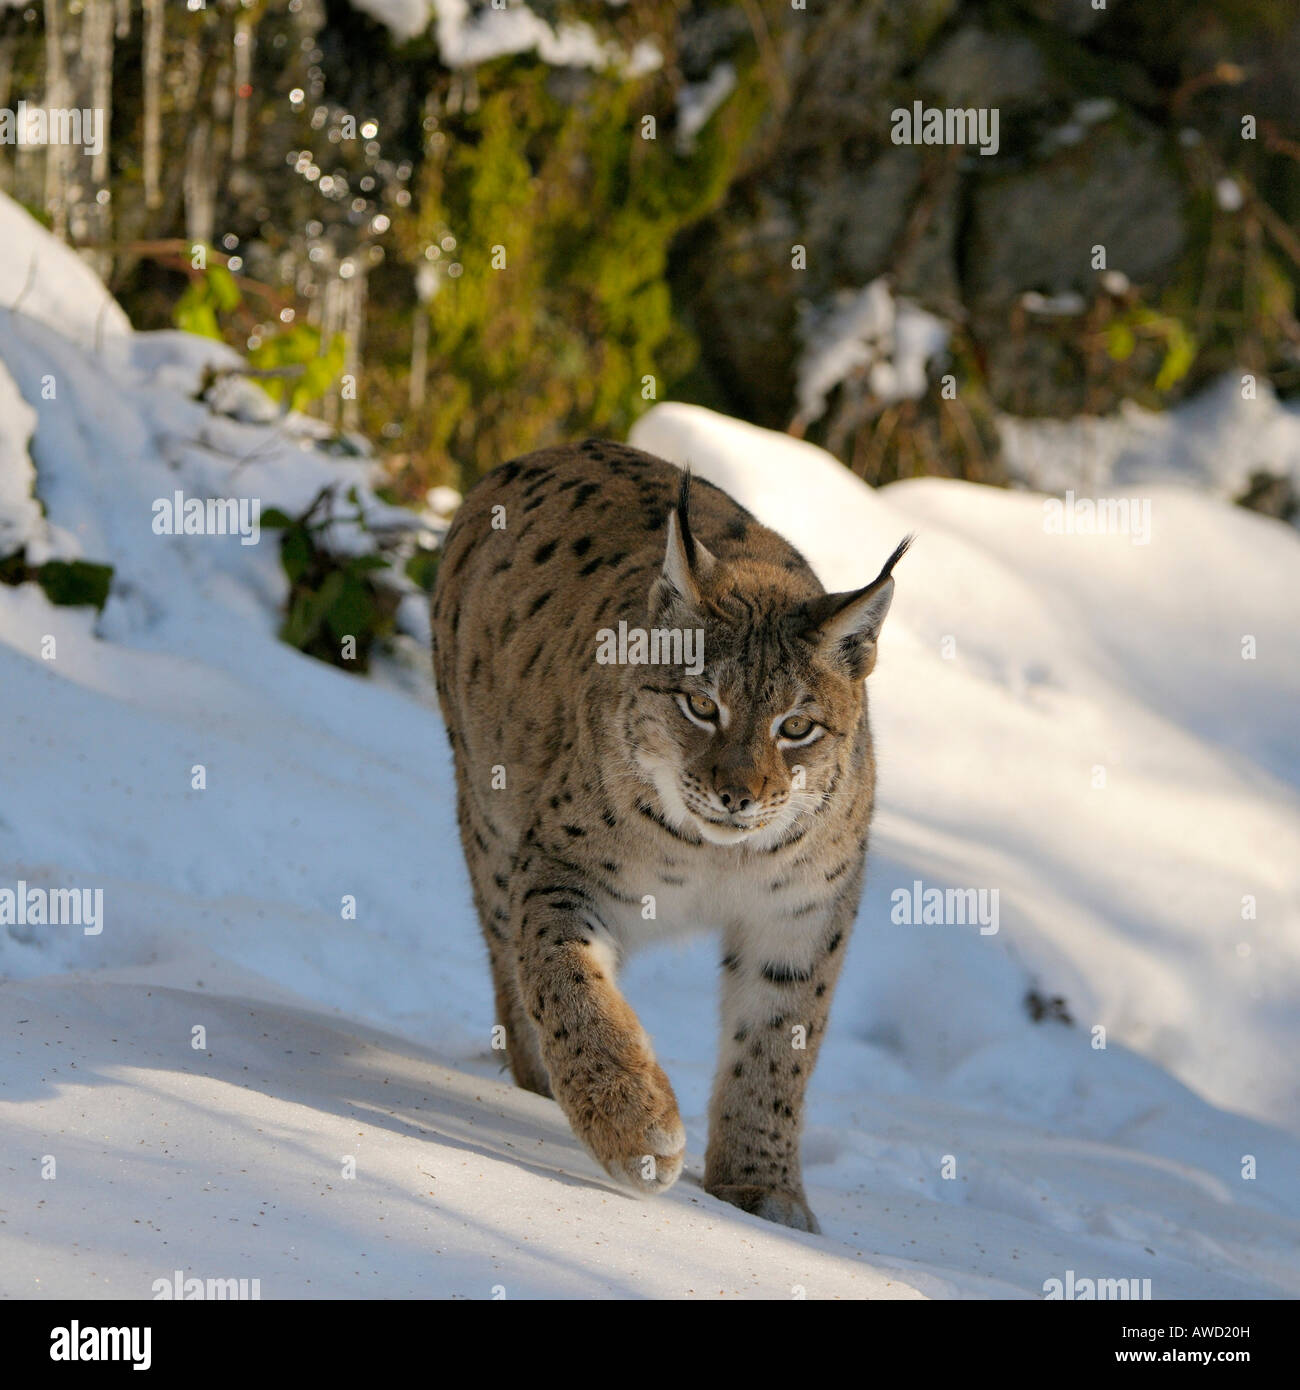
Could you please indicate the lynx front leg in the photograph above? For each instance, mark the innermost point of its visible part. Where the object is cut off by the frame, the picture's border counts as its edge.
(602, 1068)
(777, 984)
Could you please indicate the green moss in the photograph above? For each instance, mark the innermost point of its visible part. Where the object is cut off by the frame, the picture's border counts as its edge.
(559, 340)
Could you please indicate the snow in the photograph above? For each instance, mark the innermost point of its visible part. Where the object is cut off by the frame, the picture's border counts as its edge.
(20, 513)
(869, 333)
(468, 36)
(50, 283)
(697, 102)
(463, 1186)
(1228, 195)
(329, 1036)
(1073, 653)
(406, 18)
(1214, 441)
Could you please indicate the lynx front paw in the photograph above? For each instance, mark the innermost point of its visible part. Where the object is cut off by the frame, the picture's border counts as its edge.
(632, 1126)
(782, 1207)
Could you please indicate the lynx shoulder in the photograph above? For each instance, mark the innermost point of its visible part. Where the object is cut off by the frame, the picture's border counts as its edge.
(659, 724)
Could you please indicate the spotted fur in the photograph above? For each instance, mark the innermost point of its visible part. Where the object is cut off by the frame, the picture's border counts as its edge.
(604, 806)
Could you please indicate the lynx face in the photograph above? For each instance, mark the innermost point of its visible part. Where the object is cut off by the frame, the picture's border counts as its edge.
(757, 739)
(762, 735)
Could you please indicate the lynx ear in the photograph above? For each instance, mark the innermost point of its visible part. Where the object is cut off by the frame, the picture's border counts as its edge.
(846, 626)
(686, 561)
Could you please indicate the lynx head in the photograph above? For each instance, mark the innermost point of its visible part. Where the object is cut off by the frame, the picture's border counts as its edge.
(742, 743)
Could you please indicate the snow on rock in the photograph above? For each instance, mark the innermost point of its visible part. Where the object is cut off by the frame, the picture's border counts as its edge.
(308, 908)
(697, 102)
(469, 36)
(865, 332)
(123, 431)
(406, 18)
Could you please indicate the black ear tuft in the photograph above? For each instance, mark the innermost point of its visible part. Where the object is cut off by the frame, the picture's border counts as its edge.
(684, 516)
(900, 550)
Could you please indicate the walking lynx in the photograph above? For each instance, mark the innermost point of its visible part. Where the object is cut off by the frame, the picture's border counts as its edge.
(659, 724)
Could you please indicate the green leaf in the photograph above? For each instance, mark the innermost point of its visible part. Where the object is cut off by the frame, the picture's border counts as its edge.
(1178, 359)
(195, 314)
(422, 568)
(353, 612)
(225, 293)
(296, 552)
(308, 613)
(72, 583)
(1120, 341)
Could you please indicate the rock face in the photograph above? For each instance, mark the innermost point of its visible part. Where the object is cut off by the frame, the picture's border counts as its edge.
(1035, 228)
(1100, 253)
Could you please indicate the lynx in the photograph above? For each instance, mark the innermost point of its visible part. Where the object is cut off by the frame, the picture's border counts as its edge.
(614, 790)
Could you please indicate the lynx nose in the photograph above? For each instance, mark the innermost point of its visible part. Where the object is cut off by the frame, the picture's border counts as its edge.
(735, 798)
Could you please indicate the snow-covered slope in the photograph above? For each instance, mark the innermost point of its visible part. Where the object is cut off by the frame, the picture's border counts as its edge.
(334, 1163)
(327, 1036)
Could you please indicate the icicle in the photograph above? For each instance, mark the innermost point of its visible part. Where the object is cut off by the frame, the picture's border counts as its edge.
(97, 58)
(219, 136)
(419, 357)
(124, 19)
(6, 70)
(97, 55)
(26, 162)
(6, 82)
(244, 33)
(153, 80)
(426, 286)
(200, 182)
(354, 326)
(56, 97)
(330, 322)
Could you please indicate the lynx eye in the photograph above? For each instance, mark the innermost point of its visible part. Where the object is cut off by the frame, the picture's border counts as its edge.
(701, 706)
(796, 726)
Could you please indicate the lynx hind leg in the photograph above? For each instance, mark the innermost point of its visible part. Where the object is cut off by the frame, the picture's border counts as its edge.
(489, 878)
(602, 1067)
(522, 1050)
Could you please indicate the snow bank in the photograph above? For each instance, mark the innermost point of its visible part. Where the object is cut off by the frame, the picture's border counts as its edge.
(20, 513)
(47, 281)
